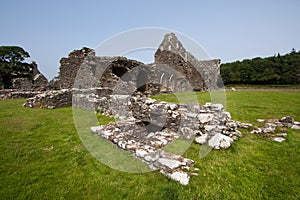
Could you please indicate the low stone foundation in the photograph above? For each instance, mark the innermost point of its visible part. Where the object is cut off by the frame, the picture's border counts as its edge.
(17, 94)
(50, 99)
(148, 126)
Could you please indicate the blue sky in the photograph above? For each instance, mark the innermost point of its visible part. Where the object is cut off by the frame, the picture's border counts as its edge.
(227, 29)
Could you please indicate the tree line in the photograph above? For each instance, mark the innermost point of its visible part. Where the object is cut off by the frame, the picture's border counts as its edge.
(275, 70)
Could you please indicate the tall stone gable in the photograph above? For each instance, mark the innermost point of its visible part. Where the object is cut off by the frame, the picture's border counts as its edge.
(202, 75)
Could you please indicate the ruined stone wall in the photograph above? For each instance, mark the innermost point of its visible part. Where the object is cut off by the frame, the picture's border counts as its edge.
(118, 69)
(22, 84)
(89, 70)
(37, 82)
(50, 99)
(202, 75)
(69, 67)
(186, 69)
(40, 82)
(16, 94)
(107, 72)
(209, 70)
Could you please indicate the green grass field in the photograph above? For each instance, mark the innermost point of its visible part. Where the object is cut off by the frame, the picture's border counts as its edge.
(42, 157)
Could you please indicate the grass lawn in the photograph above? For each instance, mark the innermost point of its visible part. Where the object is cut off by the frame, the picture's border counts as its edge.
(42, 157)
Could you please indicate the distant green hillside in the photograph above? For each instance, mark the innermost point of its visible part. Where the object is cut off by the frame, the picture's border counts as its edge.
(276, 70)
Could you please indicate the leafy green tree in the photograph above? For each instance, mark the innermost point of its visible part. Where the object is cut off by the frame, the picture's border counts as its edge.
(280, 69)
(12, 64)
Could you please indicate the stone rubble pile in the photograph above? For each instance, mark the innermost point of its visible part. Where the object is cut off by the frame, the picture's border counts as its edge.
(131, 135)
(50, 99)
(269, 129)
(149, 125)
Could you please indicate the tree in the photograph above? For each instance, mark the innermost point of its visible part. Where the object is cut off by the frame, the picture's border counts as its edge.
(12, 64)
(293, 51)
(280, 69)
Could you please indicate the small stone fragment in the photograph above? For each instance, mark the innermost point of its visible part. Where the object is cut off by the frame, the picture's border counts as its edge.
(260, 120)
(201, 139)
(287, 119)
(173, 107)
(204, 118)
(281, 135)
(278, 139)
(245, 125)
(297, 127)
(256, 131)
(220, 141)
(269, 128)
(172, 164)
(235, 138)
(95, 129)
(209, 128)
(141, 153)
(181, 177)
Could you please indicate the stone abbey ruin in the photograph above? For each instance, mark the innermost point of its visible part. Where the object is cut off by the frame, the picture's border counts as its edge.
(174, 70)
(188, 73)
(202, 75)
(121, 87)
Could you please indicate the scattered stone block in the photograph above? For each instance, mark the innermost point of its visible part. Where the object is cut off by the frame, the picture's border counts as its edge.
(256, 131)
(172, 164)
(201, 139)
(297, 127)
(278, 139)
(220, 141)
(181, 177)
(205, 118)
(284, 135)
(287, 120)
